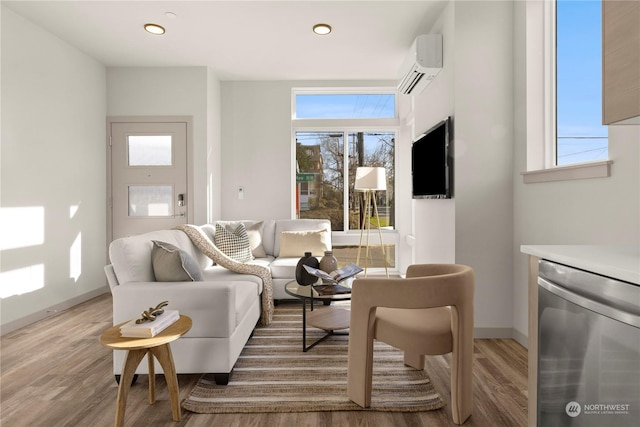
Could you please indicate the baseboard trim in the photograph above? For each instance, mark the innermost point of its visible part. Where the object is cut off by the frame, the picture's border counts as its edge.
(50, 311)
(498, 333)
(521, 338)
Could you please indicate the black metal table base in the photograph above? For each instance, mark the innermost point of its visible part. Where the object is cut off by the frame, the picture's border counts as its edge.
(306, 347)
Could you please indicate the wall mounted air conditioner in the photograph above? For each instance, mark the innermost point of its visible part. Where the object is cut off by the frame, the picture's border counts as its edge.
(422, 65)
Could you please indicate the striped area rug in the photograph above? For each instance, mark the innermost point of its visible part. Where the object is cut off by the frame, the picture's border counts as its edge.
(274, 375)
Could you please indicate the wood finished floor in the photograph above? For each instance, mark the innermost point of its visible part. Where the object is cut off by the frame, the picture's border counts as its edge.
(56, 373)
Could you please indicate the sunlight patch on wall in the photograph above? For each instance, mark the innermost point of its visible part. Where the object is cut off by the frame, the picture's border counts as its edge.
(75, 258)
(21, 227)
(21, 281)
(73, 210)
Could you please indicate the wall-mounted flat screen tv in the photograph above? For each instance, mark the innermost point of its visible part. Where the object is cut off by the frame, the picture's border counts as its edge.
(432, 162)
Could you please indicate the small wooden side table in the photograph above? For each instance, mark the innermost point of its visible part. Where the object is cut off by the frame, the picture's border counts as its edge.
(137, 348)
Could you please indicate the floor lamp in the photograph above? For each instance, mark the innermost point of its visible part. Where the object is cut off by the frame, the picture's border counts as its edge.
(369, 180)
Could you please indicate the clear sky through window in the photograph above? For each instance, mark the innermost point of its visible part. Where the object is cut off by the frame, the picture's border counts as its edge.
(345, 106)
(581, 137)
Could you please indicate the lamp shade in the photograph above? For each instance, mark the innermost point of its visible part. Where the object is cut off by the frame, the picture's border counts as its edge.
(368, 178)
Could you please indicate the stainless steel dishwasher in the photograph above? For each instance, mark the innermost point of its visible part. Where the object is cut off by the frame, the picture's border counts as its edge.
(588, 349)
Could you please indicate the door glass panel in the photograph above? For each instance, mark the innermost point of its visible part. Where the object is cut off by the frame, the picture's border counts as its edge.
(149, 150)
(150, 200)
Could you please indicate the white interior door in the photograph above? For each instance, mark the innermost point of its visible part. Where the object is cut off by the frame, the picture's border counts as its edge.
(148, 176)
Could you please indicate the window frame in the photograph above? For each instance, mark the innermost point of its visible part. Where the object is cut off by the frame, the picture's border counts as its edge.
(541, 165)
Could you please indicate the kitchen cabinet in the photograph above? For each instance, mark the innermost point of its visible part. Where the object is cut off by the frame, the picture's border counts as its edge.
(621, 62)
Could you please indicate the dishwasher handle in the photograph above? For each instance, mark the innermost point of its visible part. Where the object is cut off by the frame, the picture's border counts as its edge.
(595, 306)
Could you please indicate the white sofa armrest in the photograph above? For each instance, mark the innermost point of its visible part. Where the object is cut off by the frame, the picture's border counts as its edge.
(111, 276)
(212, 303)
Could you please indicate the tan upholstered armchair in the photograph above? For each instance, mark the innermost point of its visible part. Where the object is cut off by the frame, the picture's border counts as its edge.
(428, 313)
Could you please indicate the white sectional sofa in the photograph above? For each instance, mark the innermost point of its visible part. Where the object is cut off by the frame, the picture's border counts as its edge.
(225, 306)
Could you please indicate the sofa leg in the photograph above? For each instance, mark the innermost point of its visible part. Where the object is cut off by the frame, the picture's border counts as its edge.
(222, 379)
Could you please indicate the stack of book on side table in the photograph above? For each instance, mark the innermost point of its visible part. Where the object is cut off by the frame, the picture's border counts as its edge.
(331, 281)
(149, 329)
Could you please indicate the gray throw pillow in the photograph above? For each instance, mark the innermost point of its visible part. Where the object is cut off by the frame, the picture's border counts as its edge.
(172, 264)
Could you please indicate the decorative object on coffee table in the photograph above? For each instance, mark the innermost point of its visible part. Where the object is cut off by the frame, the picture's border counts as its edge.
(302, 277)
(328, 263)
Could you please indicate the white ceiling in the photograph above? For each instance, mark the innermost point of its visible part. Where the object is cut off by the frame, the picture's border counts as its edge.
(243, 40)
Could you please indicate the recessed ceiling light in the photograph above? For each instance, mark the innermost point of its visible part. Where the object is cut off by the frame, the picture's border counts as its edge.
(154, 29)
(322, 29)
(170, 15)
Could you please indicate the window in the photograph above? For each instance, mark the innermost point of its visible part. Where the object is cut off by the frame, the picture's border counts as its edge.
(345, 105)
(335, 133)
(580, 136)
(565, 138)
(322, 176)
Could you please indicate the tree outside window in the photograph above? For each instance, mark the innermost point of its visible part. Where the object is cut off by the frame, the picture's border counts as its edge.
(322, 177)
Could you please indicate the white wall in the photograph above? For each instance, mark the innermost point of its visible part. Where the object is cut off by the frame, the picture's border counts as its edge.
(257, 152)
(484, 136)
(475, 87)
(53, 166)
(179, 91)
(434, 220)
(214, 149)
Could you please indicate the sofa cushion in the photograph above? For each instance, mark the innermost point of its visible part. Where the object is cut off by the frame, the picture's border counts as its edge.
(217, 273)
(296, 243)
(234, 244)
(284, 268)
(172, 264)
(254, 231)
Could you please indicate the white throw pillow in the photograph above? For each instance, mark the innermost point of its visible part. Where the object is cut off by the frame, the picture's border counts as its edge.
(296, 243)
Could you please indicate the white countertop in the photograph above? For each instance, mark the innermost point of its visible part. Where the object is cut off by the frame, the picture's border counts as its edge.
(618, 262)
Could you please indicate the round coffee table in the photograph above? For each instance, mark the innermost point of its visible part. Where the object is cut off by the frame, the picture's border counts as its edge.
(330, 319)
(137, 348)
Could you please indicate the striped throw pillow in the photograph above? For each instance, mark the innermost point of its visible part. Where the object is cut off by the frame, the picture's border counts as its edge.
(233, 243)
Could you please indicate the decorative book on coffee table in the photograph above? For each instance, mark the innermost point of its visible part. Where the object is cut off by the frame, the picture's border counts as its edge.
(336, 276)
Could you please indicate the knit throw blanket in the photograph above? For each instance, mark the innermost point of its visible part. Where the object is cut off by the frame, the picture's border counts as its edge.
(206, 246)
